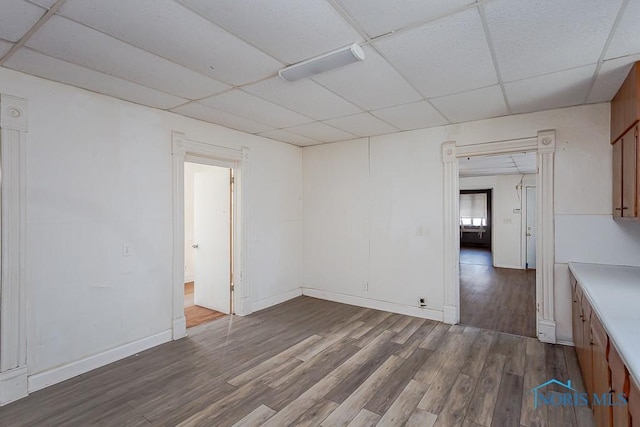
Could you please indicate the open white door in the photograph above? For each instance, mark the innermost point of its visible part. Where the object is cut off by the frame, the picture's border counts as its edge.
(531, 227)
(212, 238)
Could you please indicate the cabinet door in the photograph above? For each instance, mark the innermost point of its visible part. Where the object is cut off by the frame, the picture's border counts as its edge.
(601, 377)
(585, 355)
(576, 321)
(634, 404)
(620, 385)
(617, 178)
(629, 174)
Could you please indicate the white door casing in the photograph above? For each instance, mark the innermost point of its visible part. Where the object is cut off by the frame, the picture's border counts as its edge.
(238, 160)
(212, 238)
(544, 145)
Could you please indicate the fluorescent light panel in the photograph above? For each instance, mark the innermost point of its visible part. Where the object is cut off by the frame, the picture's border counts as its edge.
(325, 62)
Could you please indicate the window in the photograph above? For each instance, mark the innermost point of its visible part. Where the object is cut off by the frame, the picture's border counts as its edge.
(473, 209)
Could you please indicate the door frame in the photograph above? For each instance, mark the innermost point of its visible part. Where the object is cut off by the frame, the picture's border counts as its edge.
(544, 145)
(183, 149)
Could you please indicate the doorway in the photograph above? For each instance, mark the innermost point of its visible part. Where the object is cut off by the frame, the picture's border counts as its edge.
(497, 291)
(208, 228)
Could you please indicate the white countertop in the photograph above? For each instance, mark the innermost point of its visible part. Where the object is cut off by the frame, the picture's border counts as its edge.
(613, 292)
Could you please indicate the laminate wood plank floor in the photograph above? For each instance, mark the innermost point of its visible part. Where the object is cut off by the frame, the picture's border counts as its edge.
(499, 299)
(194, 314)
(309, 362)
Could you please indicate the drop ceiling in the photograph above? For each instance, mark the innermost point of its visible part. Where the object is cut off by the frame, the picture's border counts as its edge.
(428, 62)
(507, 164)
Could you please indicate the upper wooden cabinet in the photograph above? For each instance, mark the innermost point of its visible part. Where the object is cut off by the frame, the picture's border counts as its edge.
(625, 106)
(625, 116)
(626, 192)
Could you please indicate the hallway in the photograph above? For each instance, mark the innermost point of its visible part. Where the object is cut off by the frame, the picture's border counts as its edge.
(498, 299)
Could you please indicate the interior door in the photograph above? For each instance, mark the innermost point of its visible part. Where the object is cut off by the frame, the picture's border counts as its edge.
(212, 238)
(531, 227)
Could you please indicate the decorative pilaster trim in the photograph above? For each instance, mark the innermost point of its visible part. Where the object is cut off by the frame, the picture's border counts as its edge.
(449, 152)
(547, 331)
(451, 315)
(13, 319)
(13, 115)
(451, 236)
(545, 242)
(177, 143)
(546, 141)
(242, 301)
(179, 323)
(13, 385)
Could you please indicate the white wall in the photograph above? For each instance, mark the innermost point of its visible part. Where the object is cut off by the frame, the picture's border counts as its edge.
(507, 226)
(99, 175)
(396, 187)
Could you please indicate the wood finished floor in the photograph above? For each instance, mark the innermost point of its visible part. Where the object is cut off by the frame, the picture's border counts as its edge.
(194, 314)
(312, 362)
(499, 299)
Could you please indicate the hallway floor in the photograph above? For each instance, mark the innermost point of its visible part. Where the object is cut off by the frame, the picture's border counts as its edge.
(195, 314)
(499, 299)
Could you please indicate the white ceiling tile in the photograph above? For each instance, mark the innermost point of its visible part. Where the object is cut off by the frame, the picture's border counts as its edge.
(292, 138)
(473, 105)
(533, 37)
(5, 47)
(72, 42)
(371, 84)
(251, 107)
(291, 31)
(379, 17)
(44, 3)
(198, 44)
(304, 96)
(222, 118)
(446, 56)
(561, 89)
(363, 124)
(32, 62)
(412, 116)
(610, 77)
(626, 39)
(321, 132)
(17, 17)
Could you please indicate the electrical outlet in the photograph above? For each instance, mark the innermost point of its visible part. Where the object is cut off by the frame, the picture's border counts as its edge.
(422, 302)
(365, 286)
(126, 250)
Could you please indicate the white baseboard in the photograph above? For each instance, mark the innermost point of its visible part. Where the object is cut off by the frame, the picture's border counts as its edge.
(547, 331)
(13, 385)
(276, 299)
(425, 313)
(450, 314)
(565, 342)
(189, 278)
(53, 376)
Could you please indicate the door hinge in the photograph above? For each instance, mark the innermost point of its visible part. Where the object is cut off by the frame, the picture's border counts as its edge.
(233, 179)
(538, 307)
(233, 287)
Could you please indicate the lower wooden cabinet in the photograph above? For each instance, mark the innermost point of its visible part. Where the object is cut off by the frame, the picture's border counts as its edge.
(634, 405)
(600, 367)
(620, 384)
